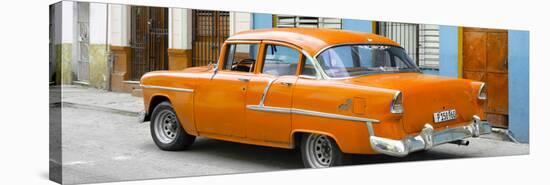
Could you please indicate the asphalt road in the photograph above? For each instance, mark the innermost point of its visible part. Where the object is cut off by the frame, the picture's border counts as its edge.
(102, 146)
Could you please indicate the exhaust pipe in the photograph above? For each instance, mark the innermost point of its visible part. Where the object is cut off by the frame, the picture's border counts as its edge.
(461, 142)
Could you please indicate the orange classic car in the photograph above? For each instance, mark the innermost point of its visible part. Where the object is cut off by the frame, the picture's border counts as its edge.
(330, 93)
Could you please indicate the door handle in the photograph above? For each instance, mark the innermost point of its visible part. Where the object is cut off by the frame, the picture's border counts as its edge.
(285, 83)
(244, 79)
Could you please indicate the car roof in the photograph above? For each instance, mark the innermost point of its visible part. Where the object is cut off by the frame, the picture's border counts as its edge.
(313, 40)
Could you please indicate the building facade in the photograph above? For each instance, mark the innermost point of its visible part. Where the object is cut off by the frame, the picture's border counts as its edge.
(111, 46)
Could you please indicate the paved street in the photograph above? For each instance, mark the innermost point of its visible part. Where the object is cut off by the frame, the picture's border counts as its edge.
(102, 145)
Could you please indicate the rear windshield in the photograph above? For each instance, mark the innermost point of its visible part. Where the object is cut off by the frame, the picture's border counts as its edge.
(364, 59)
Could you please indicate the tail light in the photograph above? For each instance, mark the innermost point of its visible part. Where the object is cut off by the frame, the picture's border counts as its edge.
(397, 104)
(482, 94)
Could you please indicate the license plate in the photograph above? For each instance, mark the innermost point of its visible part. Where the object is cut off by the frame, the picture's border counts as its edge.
(444, 116)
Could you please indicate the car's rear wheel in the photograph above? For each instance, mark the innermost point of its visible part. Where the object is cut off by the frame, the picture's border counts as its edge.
(166, 129)
(321, 151)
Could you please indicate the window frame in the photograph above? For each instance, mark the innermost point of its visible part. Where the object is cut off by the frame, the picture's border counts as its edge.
(226, 46)
(263, 47)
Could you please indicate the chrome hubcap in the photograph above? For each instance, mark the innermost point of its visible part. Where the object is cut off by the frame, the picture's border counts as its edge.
(166, 126)
(319, 151)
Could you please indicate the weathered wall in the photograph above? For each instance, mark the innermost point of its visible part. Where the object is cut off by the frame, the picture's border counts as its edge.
(179, 58)
(239, 21)
(98, 66)
(179, 36)
(63, 71)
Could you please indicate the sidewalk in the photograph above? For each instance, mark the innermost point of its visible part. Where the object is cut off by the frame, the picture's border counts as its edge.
(124, 103)
(91, 98)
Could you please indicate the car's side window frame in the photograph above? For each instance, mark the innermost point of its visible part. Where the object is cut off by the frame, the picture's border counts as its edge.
(302, 66)
(226, 46)
(263, 46)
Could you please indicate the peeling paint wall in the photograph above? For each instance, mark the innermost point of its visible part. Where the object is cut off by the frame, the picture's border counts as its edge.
(99, 72)
(63, 72)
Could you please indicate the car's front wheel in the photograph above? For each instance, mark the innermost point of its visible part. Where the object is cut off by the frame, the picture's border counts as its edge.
(166, 129)
(320, 151)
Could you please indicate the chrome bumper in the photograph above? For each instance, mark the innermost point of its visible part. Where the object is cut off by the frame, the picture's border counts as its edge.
(427, 138)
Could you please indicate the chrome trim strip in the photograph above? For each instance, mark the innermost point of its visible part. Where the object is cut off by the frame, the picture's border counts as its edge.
(397, 93)
(266, 89)
(167, 88)
(320, 72)
(269, 109)
(479, 92)
(331, 115)
(308, 77)
(309, 113)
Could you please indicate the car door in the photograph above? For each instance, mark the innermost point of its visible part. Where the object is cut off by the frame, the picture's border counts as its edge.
(220, 99)
(272, 88)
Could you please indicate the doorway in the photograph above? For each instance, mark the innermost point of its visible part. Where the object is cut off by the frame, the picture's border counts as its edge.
(210, 30)
(485, 58)
(148, 40)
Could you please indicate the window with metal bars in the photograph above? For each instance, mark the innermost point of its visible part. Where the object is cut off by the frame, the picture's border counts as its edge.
(210, 30)
(287, 21)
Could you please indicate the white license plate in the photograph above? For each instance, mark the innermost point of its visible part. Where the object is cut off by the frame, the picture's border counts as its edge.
(444, 116)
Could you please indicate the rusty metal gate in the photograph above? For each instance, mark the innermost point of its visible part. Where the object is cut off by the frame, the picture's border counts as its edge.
(210, 30)
(148, 40)
(403, 33)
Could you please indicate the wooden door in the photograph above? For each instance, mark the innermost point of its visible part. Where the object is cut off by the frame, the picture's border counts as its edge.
(485, 58)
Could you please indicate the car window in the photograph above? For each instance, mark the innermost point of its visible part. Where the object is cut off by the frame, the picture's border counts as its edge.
(280, 60)
(363, 59)
(241, 57)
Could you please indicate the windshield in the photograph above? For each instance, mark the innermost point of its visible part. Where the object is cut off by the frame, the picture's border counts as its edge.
(363, 59)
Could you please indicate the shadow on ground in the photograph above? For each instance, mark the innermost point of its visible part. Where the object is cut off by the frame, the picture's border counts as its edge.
(291, 159)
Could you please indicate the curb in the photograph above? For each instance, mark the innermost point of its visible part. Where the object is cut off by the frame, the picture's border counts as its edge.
(97, 108)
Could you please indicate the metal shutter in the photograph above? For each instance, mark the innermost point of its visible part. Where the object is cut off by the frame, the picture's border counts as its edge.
(428, 46)
(285, 21)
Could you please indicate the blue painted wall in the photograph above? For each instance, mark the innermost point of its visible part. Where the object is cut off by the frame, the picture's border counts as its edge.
(518, 84)
(262, 20)
(448, 51)
(357, 25)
